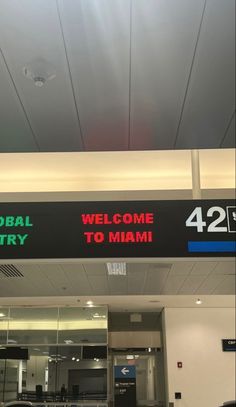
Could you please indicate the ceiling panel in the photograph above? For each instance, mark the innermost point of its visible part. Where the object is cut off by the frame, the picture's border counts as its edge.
(191, 284)
(31, 36)
(210, 283)
(229, 140)
(72, 279)
(117, 285)
(136, 281)
(97, 36)
(99, 284)
(226, 287)
(155, 280)
(203, 268)
(164, 34)
(173, 284)
(15, 132)
(225, 267)
(210, 98)
(181, 268)
(95, 269)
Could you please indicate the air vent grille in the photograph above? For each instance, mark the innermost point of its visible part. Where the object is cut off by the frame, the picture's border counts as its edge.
(8, 270)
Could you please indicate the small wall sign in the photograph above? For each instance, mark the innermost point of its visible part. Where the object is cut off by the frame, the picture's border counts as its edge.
(229, 345)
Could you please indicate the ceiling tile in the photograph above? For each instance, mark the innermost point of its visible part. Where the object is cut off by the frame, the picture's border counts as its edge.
(203, 268)
(210, 98)
(227, 287)
(164, 34)
(31, 36)
(191, 284)
(173, 285)
(95, 269)
(210, 284)
(229, 140)
(15, 132)
(225, 267)
(97, 34)
(155, 281)
(181, 268)
(99, 284)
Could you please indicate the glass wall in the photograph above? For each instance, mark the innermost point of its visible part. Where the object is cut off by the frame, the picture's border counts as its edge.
(53, 354)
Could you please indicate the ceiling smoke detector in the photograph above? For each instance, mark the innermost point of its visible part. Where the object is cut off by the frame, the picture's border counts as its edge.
(39, 71)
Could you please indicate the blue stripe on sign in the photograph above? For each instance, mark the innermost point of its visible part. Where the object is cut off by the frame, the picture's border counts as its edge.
(218, 247)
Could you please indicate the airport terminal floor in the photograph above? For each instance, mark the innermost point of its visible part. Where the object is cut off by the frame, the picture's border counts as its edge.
(117, 203)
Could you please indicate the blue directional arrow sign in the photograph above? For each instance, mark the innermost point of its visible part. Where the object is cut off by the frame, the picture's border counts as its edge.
(125, 372)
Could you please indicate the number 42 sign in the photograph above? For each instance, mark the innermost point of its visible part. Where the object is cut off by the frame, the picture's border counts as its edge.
(224, 220)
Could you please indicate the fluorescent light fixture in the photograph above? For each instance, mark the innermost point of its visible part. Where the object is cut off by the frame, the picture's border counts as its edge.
(89, 303)
(2, 315)
(68, 341)
(199, 302)
(129, 357)
(116, 269)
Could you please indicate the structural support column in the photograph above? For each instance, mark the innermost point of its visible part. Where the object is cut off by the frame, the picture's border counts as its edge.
(196, 180)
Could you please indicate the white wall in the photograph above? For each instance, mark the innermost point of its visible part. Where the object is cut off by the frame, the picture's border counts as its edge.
(193, 336)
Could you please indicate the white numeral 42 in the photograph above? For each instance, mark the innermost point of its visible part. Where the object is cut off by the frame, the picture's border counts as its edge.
(196, 219)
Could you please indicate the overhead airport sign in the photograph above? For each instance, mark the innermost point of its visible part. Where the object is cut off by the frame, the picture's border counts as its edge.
(128, 229)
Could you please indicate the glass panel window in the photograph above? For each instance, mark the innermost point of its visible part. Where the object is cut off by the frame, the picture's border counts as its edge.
(82, 325)
(33, 326)
(3, 324)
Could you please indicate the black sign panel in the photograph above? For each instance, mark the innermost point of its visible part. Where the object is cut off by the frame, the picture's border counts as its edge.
(195, 228)
(229, 345)
(125, 386)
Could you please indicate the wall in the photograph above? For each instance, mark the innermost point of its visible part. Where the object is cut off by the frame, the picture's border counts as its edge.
(193, 336)
(134, 339)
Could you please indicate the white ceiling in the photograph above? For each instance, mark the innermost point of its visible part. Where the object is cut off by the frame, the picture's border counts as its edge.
(165, 277)
(130, 74)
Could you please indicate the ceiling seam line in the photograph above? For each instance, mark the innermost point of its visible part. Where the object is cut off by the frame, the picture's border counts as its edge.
(186, 278)
(205, 279)
(70, 74)
(130, 71)
(167, 277)
(219, 284)
(20, 101)
(190, 75)
(227, 128)
(87, 277)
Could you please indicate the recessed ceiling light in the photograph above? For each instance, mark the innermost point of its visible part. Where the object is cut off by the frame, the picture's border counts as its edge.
(73, 358)
(2, 315)
(37, 349)
(68, 341)
(199, 302)
(77, 360)
(89, 302)
(50, 360)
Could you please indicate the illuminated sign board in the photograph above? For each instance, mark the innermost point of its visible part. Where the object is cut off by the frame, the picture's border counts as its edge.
(128, 229)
